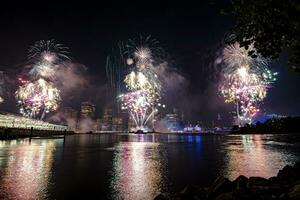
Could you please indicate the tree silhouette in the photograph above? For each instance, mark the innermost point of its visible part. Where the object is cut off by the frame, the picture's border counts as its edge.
(273, 25)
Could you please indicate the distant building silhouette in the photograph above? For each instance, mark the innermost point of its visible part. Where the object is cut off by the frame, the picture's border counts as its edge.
(87, 110)
(117, 124)
(131, 124)
(71, 117)
(107, 119)
(172, 120)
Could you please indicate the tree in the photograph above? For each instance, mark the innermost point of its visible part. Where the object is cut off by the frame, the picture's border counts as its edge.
(272, 25)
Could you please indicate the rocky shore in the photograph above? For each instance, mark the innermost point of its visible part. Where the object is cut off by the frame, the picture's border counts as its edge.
(284, 186)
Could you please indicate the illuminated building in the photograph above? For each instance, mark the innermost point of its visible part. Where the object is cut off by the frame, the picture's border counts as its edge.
(70, 112)
(172, 120)
(98, 125)
(218, 123)
(107, 119)
(117, 124)
(87, 110)
(131, 125)
(70, 117)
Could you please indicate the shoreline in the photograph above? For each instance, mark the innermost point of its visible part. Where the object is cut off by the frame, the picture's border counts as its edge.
(285, 185)
(17, 133)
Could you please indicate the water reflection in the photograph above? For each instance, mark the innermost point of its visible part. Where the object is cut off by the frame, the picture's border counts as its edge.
(250, 156)
(139, 170)
(140, 166)
(25, 169)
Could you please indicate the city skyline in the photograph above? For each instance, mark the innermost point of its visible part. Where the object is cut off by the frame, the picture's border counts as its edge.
(192, 57)
(150, 100)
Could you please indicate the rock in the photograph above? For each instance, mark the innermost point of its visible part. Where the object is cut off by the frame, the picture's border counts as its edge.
(221, 185)
(225, 196)
(245, 194)
(273, 179)
(295, 192)
(191, 192)
(240, 182)
(265, 188)
(161, 197)
(257, 181)
(288, 175)
(297, 167)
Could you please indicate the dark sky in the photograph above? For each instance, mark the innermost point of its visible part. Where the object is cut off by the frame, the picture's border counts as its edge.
(189, 32)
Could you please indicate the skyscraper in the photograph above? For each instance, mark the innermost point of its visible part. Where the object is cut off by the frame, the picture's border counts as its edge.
(70, 116)
(172, 120)
(107, 119)
(117, 124)
(87, 110)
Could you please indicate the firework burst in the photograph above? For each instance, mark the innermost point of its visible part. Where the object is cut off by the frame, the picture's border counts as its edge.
(37, 94)
(47, 50)
(46, 57)
(246, 80)
(143, 87)
(37, 98)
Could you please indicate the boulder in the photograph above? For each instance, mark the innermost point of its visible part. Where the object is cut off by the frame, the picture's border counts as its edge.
(162, 197)
(240, 182)
(191, 192)
(257, 181)
(288, 175)
(225, 196)
(220, 185)
(297, 167)
(244, 194)
(273, 179)
(266, 188)
(295, 192)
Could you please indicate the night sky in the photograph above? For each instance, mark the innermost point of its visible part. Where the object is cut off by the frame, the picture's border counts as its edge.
(190, 33)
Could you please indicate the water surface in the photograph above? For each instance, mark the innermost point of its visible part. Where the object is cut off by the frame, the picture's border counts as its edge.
(121, 166)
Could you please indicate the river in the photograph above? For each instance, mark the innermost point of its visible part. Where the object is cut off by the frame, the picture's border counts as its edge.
(122, 166)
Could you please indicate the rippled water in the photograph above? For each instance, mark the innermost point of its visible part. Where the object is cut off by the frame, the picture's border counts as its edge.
(121, 166)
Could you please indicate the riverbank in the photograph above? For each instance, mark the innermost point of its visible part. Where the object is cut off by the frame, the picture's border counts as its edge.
(14, 133)
(286, 185)
(271, 126)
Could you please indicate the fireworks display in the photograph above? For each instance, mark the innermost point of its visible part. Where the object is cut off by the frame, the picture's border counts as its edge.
(45, 58)
(38, 95)
(246, 80)
(143, 88)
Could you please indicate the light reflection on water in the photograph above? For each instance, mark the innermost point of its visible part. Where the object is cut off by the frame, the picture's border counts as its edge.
(25, 169)
(250, 155)
(139, 171)
(140, 166)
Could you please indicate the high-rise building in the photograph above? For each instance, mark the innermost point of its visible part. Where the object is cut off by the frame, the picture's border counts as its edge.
(87, 110)
(70, 112)
(98, 125)
(70, 116)
(2, 85)
(218, 122)
(117, 124)
(125, 117)
(131, 124)
(107, 119)
(172, 120)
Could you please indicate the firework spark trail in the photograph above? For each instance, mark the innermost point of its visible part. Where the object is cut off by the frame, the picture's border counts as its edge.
(246, 80)
(142, 83)
(38, 95)
(46, 57)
